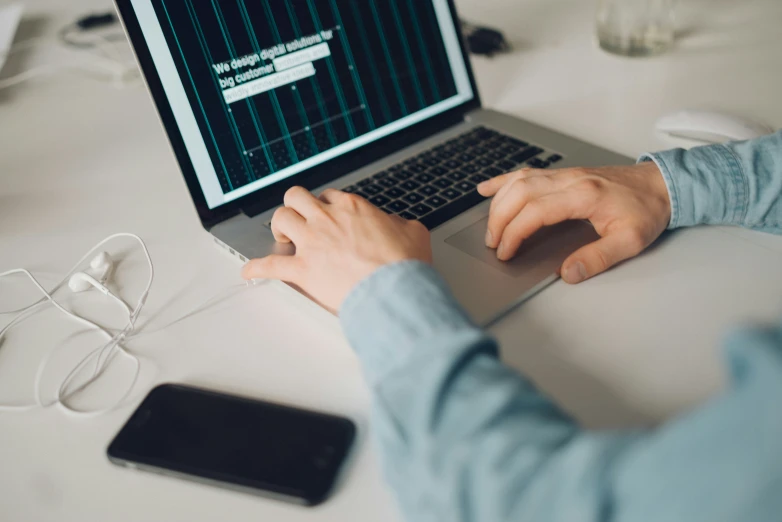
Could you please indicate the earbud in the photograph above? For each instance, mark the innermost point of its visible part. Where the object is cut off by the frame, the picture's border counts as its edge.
(95, 277)
(103, 263)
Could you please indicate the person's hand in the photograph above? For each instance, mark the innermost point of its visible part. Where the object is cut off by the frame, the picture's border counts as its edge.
(340, 239)
(628, 206)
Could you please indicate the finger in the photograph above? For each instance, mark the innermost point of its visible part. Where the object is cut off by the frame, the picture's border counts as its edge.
(283, 268)
(302, 201)
(287, 225)
(539, 213)
(504, 208)
(601, 255)
(332, 196)
(493, 186)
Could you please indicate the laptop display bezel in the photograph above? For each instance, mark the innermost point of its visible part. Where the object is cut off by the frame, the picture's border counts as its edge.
(270, 197)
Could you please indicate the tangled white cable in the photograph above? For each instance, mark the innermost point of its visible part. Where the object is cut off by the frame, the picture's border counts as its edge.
(104, 353)
(78, 281)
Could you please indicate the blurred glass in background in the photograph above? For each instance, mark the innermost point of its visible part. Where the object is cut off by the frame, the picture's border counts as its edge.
(636, 27)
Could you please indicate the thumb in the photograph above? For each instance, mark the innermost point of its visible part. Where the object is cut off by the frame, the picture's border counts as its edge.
(283, 268)
(601, 255)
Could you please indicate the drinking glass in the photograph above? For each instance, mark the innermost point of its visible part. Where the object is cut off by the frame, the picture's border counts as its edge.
(636, 27)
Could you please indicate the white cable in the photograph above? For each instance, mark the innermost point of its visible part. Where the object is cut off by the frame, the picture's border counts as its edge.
(104, 354)
(109, 348)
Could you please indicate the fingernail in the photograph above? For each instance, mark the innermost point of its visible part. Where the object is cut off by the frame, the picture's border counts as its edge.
(575, 273)
(489, 239)
(501, 251)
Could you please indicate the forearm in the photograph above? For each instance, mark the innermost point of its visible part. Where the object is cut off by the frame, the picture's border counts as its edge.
(463, 437)
(733, 184)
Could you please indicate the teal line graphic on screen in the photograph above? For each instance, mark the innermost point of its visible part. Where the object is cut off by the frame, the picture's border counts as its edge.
(198, 97)
(228, 111)
(253, 110)
(273, 83)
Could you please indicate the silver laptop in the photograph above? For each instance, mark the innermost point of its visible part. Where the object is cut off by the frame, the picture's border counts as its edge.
(374, 97)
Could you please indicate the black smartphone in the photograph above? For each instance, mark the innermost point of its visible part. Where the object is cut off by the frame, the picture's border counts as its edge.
(236, 443)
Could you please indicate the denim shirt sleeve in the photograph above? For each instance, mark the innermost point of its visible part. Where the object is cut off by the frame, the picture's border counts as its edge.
(462, 437)
(737, 183)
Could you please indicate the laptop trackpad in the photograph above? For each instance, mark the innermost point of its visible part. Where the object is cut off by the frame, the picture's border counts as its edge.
(539, 256)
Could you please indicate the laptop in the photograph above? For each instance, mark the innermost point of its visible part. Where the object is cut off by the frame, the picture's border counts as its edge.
(373, 97)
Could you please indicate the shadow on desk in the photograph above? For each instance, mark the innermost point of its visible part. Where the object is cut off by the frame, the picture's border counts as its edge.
(31, 27)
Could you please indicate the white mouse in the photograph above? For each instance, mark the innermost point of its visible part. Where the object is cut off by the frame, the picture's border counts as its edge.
(711, 127)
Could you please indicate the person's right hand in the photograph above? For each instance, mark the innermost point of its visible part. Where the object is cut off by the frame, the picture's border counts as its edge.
(628, 206)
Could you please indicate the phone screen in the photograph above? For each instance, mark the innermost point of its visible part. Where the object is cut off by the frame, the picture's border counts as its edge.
(281, 451)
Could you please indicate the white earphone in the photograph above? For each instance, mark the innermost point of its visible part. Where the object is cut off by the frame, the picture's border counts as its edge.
(97, 276)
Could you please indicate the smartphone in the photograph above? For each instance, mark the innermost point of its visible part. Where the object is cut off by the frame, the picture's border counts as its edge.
(236, 443)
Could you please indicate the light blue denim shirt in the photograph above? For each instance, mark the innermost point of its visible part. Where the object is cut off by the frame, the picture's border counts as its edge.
(465, 438)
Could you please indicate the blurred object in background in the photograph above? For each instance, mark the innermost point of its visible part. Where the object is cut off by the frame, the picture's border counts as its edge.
(9, 20)
(636, 27)
(484, 41)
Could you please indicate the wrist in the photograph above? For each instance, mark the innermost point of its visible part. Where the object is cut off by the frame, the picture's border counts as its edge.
(660, 188)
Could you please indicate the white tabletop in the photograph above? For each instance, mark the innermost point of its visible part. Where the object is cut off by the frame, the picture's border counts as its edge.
(80, 160)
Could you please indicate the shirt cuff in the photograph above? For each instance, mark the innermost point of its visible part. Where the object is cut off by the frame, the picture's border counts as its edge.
(390, 315)
(706, 185)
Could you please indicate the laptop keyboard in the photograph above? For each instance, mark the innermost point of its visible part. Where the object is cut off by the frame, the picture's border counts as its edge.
(440, 184)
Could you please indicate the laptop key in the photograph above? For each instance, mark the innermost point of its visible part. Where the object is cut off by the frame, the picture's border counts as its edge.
(492, 172)
(372, 190)
(497, 155)
(554, 158)
(410, 185)
(458, 175)
(428, 190)
(526, 154)
(438, 171)
(395, 193)
(388, 182)
(471, 169)
(403, 175)
(465, 186)
(408, 216)
(413, 198)
(431, 161)
(484, 162)
(424, 178)
(421, 210)
(479, 178)
(416, 168)
(537, 163)
(364, 182)
(381, 175)
(506, 165)
(443, 183)
(398, 206)
(453, 164)
(451, 193)
(362, 194)
(379, 200)
(350, 189)
(436, 202)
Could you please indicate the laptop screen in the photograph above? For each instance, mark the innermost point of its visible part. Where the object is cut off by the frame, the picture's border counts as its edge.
(263, 90)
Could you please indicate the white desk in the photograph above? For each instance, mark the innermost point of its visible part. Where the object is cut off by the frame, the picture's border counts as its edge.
(80, 160)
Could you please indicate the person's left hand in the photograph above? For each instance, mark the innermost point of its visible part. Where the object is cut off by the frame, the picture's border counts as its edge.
(340, 239)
